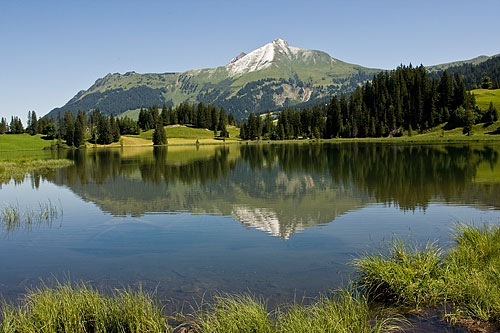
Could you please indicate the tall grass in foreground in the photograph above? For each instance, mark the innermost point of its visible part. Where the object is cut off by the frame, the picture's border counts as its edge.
(467, 278)
(79, 309)
(342, 312)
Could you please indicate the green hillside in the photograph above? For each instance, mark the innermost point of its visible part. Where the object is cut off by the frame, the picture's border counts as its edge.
(485, 96)
(16, 142)
(271, 77)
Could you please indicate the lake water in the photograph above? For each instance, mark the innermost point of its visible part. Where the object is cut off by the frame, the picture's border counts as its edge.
(282, 221)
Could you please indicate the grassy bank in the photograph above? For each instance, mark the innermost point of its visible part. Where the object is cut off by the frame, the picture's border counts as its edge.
(485, 96)
(13, 142)
(183, 135)
(80, 308)
(465, 280)
(17, 168)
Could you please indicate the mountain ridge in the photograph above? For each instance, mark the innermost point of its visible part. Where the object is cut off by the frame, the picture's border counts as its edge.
(273, 76)
(269, 78)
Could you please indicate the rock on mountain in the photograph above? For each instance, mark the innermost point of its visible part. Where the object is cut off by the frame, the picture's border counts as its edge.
(271, 77)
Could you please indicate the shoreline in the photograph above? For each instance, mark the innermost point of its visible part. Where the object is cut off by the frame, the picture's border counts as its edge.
(396, 140)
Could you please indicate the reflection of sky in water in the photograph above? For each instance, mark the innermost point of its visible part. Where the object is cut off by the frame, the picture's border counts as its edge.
(226, 237)
(186, 254)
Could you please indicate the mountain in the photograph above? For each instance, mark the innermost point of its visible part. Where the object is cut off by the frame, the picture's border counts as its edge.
(448, 65)
(273, 76)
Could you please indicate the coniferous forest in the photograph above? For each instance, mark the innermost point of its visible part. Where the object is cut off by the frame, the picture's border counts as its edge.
(406, 99)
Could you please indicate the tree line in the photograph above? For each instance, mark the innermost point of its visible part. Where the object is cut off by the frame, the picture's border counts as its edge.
(485, 75)
(101, 129)
(199, 116)
(406, 99)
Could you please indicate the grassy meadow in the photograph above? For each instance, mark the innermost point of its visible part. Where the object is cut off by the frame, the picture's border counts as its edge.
(485, 96)
(17, 168)
(183, 135)
(12, 142)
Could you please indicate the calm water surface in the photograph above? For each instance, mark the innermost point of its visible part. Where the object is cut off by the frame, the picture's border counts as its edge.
(281, 221)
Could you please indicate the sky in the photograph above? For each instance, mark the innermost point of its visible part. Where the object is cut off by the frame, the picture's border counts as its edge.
(50, 50)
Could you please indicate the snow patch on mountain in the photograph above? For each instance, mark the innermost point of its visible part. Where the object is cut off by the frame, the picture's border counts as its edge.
(263, 57)
(238, 57)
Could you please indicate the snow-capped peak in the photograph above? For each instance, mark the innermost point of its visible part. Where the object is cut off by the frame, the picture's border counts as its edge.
(262, 57)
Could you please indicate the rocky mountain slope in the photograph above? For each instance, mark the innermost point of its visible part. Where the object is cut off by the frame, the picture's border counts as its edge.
(271, 77)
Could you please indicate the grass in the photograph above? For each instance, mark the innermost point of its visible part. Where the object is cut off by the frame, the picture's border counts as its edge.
(11, 142)
(18, 168)
(183, 135)
(466, 280)
(12, 218)
(485, 96)
(343, 311)
(79, 309)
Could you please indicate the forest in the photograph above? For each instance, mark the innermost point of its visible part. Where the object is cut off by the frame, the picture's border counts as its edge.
(406, 99)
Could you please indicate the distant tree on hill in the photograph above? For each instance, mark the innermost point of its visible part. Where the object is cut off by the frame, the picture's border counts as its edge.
(80, 125)
(3, 126)
(486, 83)
(470, 118)
(94, 119)
(159, 135)
(104, 135)
(32, 127)
(115, 129)
(127, 126)
(491, 115)
(16, 126)
(50, 129)
(69, 128)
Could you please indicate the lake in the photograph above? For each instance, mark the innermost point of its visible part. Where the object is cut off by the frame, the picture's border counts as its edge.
(279, 220)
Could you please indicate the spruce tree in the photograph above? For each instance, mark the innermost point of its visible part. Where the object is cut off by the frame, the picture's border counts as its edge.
(68, 131)
(104, 135)
(3, 126)
(159, 135)
(333, 119)
(80, 124)
(34, 124)
(115, 129)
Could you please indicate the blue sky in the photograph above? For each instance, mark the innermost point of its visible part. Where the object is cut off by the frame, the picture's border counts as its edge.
(49, 50)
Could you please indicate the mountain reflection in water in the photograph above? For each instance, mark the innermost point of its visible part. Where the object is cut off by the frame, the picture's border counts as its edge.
(281, 189)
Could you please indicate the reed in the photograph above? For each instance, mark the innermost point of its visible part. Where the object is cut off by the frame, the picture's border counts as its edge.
(465, 281)
(13, 217)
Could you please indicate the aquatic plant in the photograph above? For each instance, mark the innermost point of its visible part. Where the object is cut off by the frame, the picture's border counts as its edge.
(466, 280)
(13, 217)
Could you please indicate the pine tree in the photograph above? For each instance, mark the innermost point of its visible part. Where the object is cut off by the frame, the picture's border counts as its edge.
(115, 129)
(104, 135)
(80, 125)
(469, 122)
(223, 121)
(16, 126)
(68, 131)
(333, 119)
(159, 135)
(34, 124)
(3, 126)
